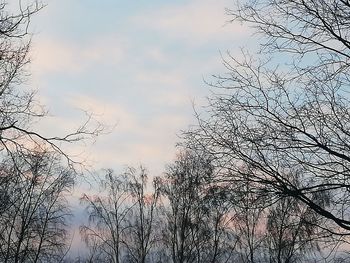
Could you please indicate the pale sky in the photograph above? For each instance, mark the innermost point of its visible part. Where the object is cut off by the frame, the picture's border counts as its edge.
(137, 64)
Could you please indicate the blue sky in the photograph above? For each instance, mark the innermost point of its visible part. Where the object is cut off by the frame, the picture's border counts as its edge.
(136, 64)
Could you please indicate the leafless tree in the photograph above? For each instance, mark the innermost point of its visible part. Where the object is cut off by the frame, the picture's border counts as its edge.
(285, 127)
(141, 234)
(248, 223)
(108, 213)
(182, 187)
(289, 236)
(309, 30)
(19, 107)
(122, 218)
(197, 220)
(35, 213)
(221, 235)
(32, 182)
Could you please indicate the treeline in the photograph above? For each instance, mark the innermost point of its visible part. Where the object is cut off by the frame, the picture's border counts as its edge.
(188, 216)
(262, 177)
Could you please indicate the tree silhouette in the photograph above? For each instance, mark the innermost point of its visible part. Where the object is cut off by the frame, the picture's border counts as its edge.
(35, 212)
(285, 128)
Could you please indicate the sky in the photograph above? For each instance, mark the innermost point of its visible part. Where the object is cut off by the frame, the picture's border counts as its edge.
(137, 65)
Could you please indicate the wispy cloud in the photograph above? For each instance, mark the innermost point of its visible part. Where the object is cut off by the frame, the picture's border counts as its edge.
(134, 140)
(196, 21)
(141, 74)
(59, 55)
(107, 113)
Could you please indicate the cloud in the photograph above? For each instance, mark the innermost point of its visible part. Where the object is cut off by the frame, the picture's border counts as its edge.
(58, 55)
(146, 140)
(156, 55)
(196, 21)
(105, 112)
(134, 140)
(144, 86)
(165, 88)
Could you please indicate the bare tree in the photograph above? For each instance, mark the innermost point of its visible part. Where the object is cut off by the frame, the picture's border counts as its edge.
(122, 218)
(248, 224)
(309, 30)
(289, 235)
(18, 105)
(221, 235)
(107, 218)
(197, 228)
(286, 128)
(32, 183)
(141, 234)
(182, 187)
(34, 219)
